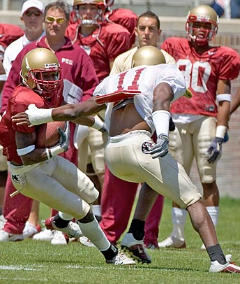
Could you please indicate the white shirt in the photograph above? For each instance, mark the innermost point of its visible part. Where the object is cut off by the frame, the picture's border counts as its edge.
(144, 79)
(12, 51)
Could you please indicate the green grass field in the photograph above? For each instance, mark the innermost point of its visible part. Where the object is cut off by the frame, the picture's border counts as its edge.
(40, 262)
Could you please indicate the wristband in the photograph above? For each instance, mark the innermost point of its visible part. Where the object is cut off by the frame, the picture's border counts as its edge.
(38, 116)
(161, 121)
(54, 151)
(221, 130)
(26, 150)
(98, 123)
(223, 97)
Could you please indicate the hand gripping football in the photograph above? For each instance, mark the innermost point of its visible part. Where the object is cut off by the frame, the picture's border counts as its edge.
(47, 133)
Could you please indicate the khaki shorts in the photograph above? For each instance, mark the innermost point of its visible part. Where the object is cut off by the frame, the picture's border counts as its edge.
(126, 159)
(59, 184)
(192, 140)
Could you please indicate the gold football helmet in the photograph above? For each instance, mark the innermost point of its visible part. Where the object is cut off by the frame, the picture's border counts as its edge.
(41, 71)
(202, 14)
(148, 55)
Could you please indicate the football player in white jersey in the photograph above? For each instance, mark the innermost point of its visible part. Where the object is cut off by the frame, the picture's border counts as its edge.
(130, 152)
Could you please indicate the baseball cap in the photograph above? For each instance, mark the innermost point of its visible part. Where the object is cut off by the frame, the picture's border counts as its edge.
(32, 4)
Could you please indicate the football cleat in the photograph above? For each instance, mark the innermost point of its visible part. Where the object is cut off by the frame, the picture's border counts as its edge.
(228, 267)
(72, 229)
(30, 230)
(135, 248)
(172, 242)
(8, 237)
(86, 242)
(45, 235)
(121, 259)
(59, 238)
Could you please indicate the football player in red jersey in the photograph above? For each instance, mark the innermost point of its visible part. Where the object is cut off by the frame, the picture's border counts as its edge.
(77, 68)
(40, 173)
(101, 40)
(202, 121)
(124, 17)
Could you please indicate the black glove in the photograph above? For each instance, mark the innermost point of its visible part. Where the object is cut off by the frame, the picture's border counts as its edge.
(215, 149)
(160, 149)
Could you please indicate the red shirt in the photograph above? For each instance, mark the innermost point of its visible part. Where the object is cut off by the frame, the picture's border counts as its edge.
(21, 98)
(77, 67)
(202, 73)
(103, 45)
(9, 33)
(124, 17)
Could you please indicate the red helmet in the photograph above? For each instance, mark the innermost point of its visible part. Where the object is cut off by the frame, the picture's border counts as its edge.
(101, 5)
(202, 14)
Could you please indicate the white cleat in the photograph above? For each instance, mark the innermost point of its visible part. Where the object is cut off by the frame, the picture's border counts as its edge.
(2, 221)
(45, 235)
(227, 268)
(172, 242)
(86, 242)
(72, 230)
(30, 230)
(8, 237)
(58, 238)
(122, 259)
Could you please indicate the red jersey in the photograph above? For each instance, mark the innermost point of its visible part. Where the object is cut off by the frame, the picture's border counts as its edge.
(77, 67)
(124, 17)
(202, 73)
(9, 33)
(21, 98)
(103, 45)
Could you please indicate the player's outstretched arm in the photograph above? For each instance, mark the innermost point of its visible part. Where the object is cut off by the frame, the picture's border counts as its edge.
(72, 112)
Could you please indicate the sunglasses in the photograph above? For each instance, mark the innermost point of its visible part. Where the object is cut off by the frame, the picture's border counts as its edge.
(51, 20)
(35, 13)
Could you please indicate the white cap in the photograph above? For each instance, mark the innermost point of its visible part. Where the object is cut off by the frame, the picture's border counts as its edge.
(32, 4)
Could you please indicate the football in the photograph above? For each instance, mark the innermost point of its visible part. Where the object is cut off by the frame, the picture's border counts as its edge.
(47, 134)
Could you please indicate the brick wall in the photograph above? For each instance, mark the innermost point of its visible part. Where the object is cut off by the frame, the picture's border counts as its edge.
(228, 170)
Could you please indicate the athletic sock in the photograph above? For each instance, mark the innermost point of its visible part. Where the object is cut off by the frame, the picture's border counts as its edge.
(59, 222)
(178, 220)
(94, 233)
(137, 229)
(213, 211)
(216, 253)
(110, 253)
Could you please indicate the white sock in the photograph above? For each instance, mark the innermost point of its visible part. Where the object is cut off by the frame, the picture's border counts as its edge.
(178, 220)
(65, 216)
(96, 209)
(94, 233)
(213, 211)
